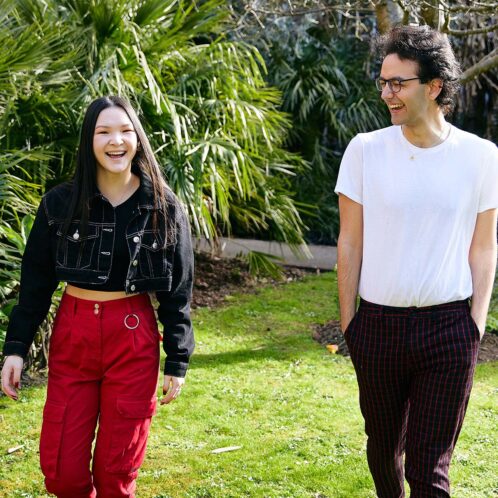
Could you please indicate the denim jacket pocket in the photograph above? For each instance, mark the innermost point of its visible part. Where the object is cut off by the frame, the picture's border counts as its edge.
(75, 250)
(151, 255)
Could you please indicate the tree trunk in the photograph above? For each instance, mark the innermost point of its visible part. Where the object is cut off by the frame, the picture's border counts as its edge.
(383, 17)
(432, 13)
(387, 13)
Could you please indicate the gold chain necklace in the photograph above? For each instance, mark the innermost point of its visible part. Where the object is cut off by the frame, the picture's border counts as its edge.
(413, 155)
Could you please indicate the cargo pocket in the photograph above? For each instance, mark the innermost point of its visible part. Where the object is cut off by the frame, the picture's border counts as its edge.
(129, 437)
(51, 438)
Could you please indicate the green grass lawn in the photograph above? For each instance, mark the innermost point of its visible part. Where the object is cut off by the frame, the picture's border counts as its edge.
(259, 381)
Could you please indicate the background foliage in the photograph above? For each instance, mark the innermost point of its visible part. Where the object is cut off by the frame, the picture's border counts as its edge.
(318, 54)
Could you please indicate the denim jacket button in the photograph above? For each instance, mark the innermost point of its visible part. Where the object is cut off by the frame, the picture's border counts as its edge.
(132, 288)
(154, 245)
(76, 235)
(136, 239)
(135, 262)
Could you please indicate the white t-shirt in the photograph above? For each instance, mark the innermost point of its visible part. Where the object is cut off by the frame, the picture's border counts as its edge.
(419, 212)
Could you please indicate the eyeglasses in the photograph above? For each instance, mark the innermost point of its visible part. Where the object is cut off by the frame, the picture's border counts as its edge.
(395, 84)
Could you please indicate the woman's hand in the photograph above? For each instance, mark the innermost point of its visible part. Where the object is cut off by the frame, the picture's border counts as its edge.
(172, 388)
(11, 375)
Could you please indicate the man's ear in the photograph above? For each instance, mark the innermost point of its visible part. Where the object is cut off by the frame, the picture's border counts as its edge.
(435, 87)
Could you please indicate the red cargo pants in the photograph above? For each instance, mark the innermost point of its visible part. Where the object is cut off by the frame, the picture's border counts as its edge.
(103, 367)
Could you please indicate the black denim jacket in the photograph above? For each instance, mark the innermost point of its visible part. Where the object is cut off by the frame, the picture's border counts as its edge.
(50, 257)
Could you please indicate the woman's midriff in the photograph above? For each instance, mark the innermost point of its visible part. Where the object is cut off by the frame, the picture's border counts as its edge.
(93, 295)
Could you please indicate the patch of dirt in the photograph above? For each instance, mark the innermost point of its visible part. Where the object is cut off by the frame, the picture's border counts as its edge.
(217, 278)
(488, 350)
(330, 333)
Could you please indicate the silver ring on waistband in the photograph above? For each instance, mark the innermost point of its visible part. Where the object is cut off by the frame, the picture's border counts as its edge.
(126, 321)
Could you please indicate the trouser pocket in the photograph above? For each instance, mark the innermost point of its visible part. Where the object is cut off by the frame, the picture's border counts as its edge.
(129, 435)
(477, 332)
(350, 325)
(51, 437)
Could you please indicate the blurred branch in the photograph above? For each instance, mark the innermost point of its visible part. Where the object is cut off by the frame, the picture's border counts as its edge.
(476, 31)
(477, 7)
(419, 9)
(405, 8)
(342, 7)
(485, 64)
(489, 82)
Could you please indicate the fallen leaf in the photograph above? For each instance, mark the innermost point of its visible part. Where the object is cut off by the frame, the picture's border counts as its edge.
(227, 448)
(332, 348)
(15, 448)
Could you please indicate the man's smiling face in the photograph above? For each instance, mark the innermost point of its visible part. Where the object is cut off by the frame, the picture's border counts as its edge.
(412, 102)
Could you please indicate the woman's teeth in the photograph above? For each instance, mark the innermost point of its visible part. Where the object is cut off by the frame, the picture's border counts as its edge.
(396, 106)
(115, 154)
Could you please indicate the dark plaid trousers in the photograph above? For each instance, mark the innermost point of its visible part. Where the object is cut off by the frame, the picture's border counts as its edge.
(414, 368)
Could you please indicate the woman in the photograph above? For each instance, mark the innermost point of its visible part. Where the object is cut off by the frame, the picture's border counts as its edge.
(115, 233)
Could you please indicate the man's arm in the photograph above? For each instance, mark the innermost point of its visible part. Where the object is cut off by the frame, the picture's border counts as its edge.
(482, 260)
(349, 256)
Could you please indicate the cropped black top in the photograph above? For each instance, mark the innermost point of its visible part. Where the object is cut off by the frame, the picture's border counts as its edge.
(120, 254)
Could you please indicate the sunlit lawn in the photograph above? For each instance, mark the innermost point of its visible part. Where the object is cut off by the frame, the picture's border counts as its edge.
(259, 381)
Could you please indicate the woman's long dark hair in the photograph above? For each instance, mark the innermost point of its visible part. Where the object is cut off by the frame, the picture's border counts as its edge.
(85, 176)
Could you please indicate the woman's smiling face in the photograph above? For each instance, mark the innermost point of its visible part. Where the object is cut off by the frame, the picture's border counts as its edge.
(114, 140)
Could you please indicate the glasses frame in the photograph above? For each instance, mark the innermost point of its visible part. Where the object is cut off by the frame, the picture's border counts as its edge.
(390, 82)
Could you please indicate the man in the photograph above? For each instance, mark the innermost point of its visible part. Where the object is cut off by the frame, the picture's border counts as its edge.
(418, 220)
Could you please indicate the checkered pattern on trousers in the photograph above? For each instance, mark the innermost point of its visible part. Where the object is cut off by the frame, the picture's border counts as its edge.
(414, 368)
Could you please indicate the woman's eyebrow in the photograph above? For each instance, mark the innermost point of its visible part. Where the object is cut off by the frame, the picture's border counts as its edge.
(122, 125)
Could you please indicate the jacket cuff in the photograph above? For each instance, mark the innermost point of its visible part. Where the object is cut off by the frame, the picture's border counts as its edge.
(16, 348)
(175, 368)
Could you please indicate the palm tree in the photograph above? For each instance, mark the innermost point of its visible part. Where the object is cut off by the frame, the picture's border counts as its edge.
(213, 121)
(325, 78)
(28, 67)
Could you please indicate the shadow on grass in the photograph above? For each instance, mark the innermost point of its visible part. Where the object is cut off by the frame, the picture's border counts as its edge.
(283, 349)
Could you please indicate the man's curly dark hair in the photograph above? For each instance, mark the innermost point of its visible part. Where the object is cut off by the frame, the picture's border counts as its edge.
(433, 53)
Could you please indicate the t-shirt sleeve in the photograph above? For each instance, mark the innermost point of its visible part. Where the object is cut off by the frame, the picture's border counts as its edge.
(488, 198)
(350, 178)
